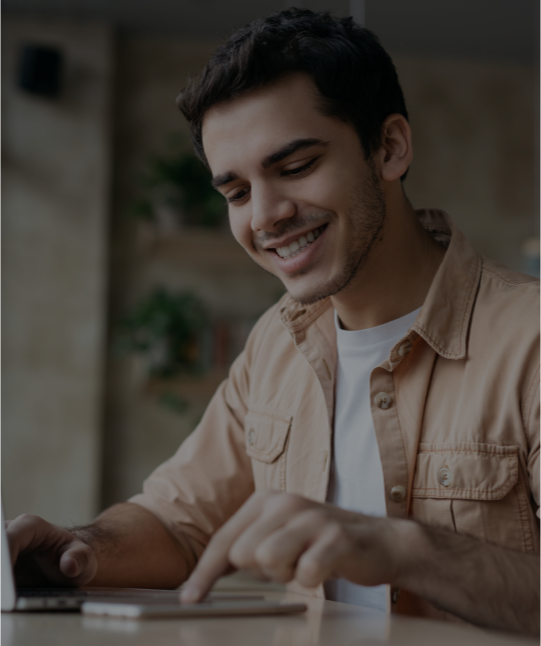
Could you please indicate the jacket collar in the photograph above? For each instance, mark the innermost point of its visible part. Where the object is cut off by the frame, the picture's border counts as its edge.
(446, 313)
(445, 317)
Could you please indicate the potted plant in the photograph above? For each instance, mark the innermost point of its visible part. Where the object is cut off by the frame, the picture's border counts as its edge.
(178, 193)
(164, 332)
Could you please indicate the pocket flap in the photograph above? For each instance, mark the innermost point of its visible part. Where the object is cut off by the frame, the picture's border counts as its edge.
(266, 433)
(468, 471)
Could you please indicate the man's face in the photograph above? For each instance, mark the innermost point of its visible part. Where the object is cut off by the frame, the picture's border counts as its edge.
(303, 201)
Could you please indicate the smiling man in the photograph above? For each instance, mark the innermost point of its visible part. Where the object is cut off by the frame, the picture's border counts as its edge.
(385, 411)
(309, 207)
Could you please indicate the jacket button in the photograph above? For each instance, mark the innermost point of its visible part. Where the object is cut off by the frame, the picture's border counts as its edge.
(398, 493)
(404, 348)
(251, 437)
(445, 476)
(383, 400)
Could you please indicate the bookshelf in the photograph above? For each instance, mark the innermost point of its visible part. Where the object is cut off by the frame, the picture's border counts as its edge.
(196, 389)
(213, 265)
(201, 248)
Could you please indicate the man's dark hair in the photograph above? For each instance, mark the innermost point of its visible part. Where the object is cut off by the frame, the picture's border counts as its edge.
(354, 75)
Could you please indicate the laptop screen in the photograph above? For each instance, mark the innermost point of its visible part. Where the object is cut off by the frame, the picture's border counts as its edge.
(8, 585)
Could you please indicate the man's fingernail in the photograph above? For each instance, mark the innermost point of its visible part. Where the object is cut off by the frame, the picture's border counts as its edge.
(189, 594)
(72, 566)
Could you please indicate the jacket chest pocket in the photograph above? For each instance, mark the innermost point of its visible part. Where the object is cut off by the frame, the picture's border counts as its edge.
(266, 435)
(473, 489)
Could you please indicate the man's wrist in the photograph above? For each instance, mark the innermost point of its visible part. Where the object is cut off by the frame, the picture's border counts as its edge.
(407, 547)
(97, 538)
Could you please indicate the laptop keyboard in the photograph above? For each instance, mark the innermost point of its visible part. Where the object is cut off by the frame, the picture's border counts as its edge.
(55, 592)
(98, 592)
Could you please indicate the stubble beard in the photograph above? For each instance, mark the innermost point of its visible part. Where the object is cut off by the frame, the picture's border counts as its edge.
(365, 224)
(365, 219)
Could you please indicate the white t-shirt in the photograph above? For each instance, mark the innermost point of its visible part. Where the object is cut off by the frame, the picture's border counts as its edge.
(356, 478)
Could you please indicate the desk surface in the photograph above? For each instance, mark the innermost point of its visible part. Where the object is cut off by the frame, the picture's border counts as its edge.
(325, 623)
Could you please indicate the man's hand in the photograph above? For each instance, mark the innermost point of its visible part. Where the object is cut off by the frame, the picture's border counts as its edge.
(44, 554)
(283, 537)
(126, 546)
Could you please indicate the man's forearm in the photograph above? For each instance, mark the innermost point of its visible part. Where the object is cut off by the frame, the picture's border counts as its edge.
(134, 549)
(482, 583)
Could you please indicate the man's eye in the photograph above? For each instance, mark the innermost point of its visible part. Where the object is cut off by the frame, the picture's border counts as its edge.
(300, 169)
(238, 196)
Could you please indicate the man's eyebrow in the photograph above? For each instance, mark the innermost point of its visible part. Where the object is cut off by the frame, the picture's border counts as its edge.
(273, 158)
(290, 148)
(225, 178)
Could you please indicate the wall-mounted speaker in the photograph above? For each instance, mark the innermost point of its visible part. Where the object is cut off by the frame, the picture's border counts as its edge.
(40, 70)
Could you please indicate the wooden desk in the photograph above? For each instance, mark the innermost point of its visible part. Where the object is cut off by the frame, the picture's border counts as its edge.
(325, 623)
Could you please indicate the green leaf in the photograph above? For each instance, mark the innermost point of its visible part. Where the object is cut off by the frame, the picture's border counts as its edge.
(165, 328)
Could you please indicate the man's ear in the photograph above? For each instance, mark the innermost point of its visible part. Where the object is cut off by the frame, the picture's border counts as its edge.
(395, 153)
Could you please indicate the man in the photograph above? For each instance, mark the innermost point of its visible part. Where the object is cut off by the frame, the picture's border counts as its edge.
(385, 410)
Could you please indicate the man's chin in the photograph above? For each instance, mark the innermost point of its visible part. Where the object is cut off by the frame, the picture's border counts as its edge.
(314, 293)
(311, 296)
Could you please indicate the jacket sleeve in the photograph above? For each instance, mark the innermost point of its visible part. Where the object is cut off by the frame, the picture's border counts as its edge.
(210, 476)
(531, 418)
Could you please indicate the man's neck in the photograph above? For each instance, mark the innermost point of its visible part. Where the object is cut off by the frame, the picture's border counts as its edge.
(397, 275)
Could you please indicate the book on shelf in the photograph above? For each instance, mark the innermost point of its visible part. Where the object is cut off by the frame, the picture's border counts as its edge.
(222, 341)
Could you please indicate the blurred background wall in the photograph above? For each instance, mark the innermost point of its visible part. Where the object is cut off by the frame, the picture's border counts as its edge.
(475, 125)
(82, 423)
(55, 209)
(141, 434)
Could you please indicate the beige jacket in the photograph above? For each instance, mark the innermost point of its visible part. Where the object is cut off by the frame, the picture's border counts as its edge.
(455, 409)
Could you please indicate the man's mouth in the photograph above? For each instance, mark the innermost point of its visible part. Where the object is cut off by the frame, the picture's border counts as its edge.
(295, 247)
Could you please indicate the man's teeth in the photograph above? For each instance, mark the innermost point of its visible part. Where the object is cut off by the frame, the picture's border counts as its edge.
(298, 245)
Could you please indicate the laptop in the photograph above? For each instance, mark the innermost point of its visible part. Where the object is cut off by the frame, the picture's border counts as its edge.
(131, 603)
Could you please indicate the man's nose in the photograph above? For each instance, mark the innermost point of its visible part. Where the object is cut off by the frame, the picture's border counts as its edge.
(269, 208)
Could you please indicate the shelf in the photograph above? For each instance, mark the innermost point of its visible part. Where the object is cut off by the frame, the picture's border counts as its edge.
(193, 388)
(215, 249)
